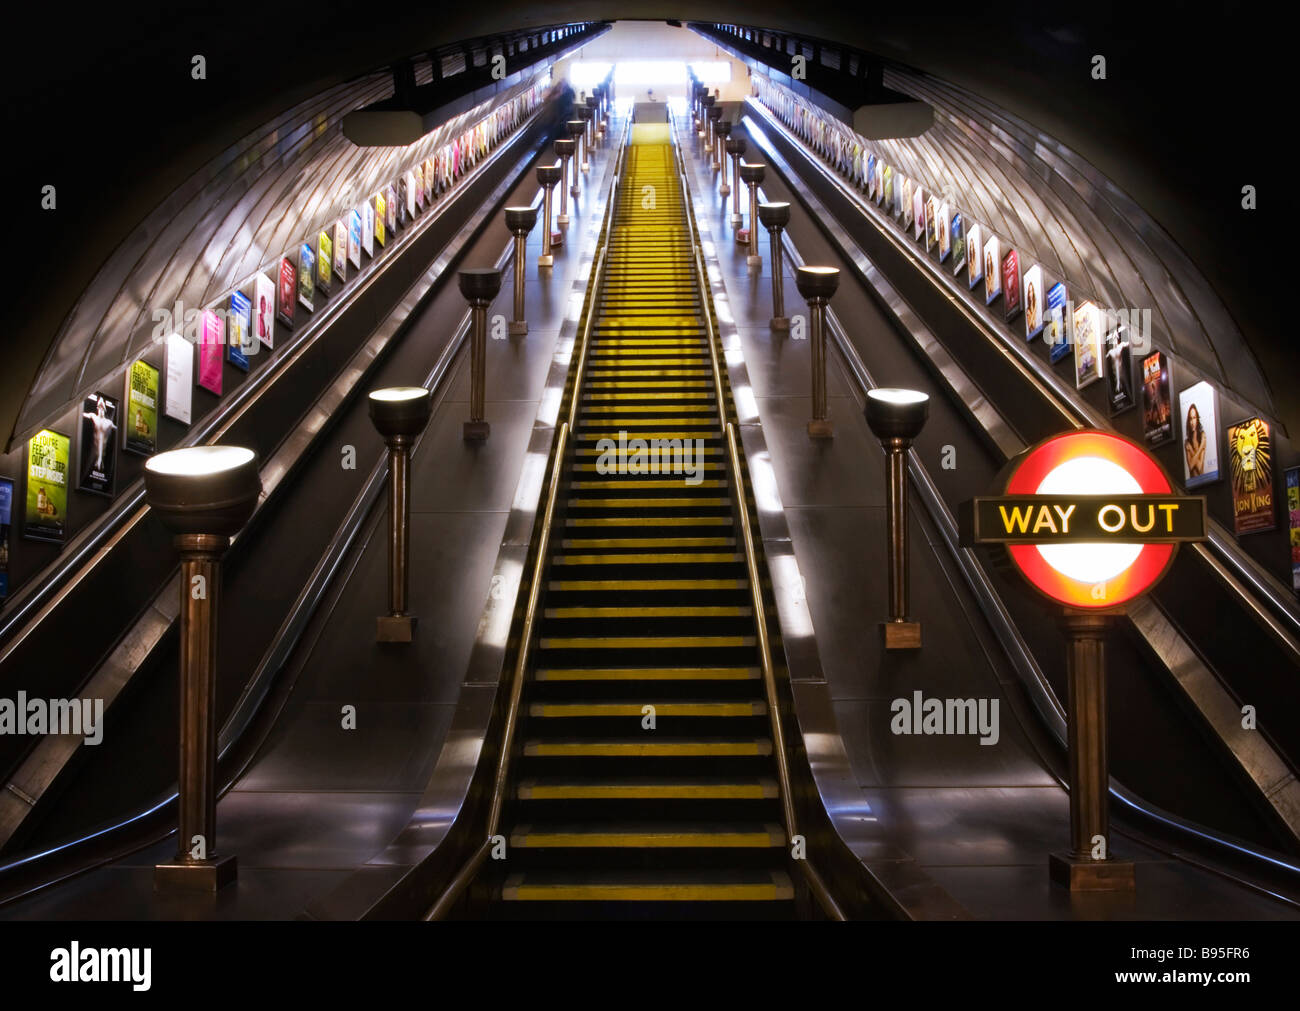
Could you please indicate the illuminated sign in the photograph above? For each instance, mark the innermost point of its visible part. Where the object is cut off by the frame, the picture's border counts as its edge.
(1089, 518)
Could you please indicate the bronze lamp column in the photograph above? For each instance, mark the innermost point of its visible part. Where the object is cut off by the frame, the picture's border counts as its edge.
(520, 221)
(480, 286)
(817, 285)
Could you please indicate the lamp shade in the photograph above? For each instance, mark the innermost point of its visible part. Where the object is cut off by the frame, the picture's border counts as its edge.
(480, 284)
(753, 172)
(817, 282)
(400, 410)
(549, 175)
(895, 413)
(773, 215)
(520, 220)
(203, 489)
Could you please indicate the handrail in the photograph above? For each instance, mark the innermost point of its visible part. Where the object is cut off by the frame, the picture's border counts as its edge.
(816, 884)
(501, 779)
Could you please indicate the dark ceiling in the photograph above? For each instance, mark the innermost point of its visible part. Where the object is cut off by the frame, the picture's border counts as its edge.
(101, 104)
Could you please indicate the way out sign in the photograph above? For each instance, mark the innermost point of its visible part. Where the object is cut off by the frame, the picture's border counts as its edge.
(1090, 519)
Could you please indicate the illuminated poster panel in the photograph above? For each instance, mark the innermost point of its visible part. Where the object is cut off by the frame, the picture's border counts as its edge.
(1157, 405)
(7, 519)
(264, 310)
(1087, 345)
(1250, 461)
(409, 180)
(957, 231)
(212, 339)
(178, 360)
(368, 228)
(1199, 409)
(45, 517)
(878, 183)
(354, 239)
(941, 226)
(909, 214)
(992, 271)
(140, 428)
(1056, 324)
(975, 261)
(340, 251)
(239, 330)
(306, 275)
(1011, 285)
(1033, 302)
(1119, 372)
(288, 291)
(417, 174)
(931, 223)
(889, 187)
(97, 454)
(381, 218)
(324, 261)
(390, 209)
(871, 175)
(1292, 507)
(918, 213)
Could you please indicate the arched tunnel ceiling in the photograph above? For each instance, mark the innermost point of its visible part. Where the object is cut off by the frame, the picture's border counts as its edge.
(106, 110)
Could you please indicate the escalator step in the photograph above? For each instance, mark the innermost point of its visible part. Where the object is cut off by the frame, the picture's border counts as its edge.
(561, 710)
(620, 835)
(600, 885)
(648, 789)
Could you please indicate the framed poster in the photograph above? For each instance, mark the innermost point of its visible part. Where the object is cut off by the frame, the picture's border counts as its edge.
(140, 430)
(1292, 509)
(1250, 461)
(45, 517)
(1033, 302)
(1157, 408)
(889, 187)
(97, 454)
(931, 226)
(918, 213)
(288, 291)
(368, 228)
(945, 244)
(211, 339)
(390, 209)
(992, 275)
(408, 181)
(974, 257)
(324, 262)
(381, 219)
(354, 239)
(1087, 345)
(418, 174)
(239, 327)
(340, 250)
(428, 180)
(178, 360)
(909, 215)
(1119, 372)
(306, 275)
(1011, 304)
(264, 310)
(871, 174)
(878, 185)
(7, 519)
(1198, 407)
(958, 232)
(1056, 323)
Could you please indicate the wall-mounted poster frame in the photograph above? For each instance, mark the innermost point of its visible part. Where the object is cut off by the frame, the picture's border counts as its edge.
(889, 188)
(958, 232)
(368, 228)
(288, 291)
(931, 223)
(992, 270)
(1056, 322)
(340, 251)
(409, 180)
(1087, 345)
(354, 239)
(1198, 411)
(918, 213)
(1157, 399)
(1293, 522)
(97, 445)
(1120, 395)
(1033, 302)
(6, 524)
(239, 324)
(909, 211)
(975, 254)
(381, 218)
(45, 516)
(941, 227)
(178, 362)
(212, 338)
(324, 261)
(264, 309)
(140, 425)
(1011, 304)
(1250, 464)
(390, 208)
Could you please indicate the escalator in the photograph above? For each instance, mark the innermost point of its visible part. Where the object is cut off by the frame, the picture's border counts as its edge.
(644, 778)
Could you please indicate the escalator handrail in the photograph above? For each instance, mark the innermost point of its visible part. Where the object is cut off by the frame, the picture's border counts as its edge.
(816, 884)
(501, 777)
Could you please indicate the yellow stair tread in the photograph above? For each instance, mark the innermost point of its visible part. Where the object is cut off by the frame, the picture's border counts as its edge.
(649, 834)
(605, 885)
(564, 710)
(649, 747)
(649, 788)
(647, 674)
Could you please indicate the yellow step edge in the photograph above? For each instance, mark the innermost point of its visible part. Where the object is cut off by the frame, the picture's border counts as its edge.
(564, 710)
(648, 674)
(758, 747)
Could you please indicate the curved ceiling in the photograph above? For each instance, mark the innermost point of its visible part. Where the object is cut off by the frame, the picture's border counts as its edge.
(113, 119)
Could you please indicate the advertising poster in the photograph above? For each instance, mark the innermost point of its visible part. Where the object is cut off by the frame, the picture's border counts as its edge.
(288, 291)
(1157, 408)
(1011, 304)
(945, 243)
(264, 310)
(992, 273)
(306, 275)
(354, 239)
(324, 262)
(368, 228)
(1292, 508)
(418, 174)
(390, 209)
(909, 215)
(239, 328)
(340, 250)
(1054, 324)
(931, 224)
(409, 181)
(958, 232)
(1250, 458)
(1119, 372)
(878, 185)
(7, 519)
(97, 463)
(1033, 302)
(975, 258)
(428, 180)
(381, 218)
(140, 431)
(211, 341)
(918, 213)
(889, 187)
(178, 360)
(46, 514)
(1087, 345)
(871, 174)
(1198, 407)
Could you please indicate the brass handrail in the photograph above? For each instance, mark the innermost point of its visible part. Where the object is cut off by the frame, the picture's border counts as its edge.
(816, 884)
(501, 779)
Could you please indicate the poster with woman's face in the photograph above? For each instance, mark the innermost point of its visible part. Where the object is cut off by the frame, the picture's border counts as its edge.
(288, 290)
(974, 256)
(1033, 302)
(918, 213)
(264, 310)
(340, 251)
(1087, 345)
(931, 224)
(941, 225)
(908, 214)
(390, 209)
(992, 273)
(1011, 284)
(1198, 408)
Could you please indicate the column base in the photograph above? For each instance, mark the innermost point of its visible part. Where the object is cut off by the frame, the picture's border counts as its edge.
(562, 221)
(575, 193)
(1082, 875)
(820, 428)
(902, 634)
(395, 628)
(586, 166)
(557, 239)
(742, 234)
(780, 323)
(724, 190)
(754, 261)
(196, 876)
(477, 431)
(517, 327)
(546, 261)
